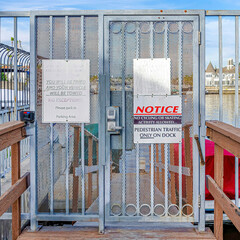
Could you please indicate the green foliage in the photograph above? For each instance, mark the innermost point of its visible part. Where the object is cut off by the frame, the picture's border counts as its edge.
(3, 77)
(94, 78)
(188, 80)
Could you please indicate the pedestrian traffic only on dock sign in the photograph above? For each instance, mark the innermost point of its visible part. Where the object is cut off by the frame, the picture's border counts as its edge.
(158, 119)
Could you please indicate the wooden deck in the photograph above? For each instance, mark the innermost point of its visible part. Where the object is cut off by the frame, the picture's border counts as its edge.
(163, 231)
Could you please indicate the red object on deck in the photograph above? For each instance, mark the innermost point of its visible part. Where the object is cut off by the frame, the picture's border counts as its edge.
(229, 169)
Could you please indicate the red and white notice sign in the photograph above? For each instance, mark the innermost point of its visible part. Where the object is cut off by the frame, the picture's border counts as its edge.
(158, 119)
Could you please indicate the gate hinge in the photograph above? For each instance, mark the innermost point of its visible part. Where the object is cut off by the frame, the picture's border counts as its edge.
(199, 201)
(199, 119)
(199, 38)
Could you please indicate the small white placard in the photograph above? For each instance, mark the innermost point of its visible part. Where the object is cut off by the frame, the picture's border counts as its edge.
(66, 91)
(158, 119)
(152, 76)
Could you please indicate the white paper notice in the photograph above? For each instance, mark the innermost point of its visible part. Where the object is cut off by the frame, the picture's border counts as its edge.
(158, 119)
(66, 91)
(152, 76)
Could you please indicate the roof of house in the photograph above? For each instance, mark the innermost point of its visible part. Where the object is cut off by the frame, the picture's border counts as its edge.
(210, 68)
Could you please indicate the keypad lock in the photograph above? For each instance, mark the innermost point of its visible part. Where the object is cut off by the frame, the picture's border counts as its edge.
(113, 120)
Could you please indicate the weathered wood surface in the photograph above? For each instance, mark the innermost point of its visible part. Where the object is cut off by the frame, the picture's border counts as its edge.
(11, 133)
(218, 176)
(16, 207)
(224, 202)
(14, 192)
(75, 164)
(163, 231)
(225, 135)
(226, 129)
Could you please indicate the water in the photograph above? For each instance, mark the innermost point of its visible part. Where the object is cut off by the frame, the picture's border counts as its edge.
(212, 107)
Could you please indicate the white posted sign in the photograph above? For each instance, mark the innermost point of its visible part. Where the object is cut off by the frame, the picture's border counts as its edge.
(158, 119)
(66, 91)
(152, 76)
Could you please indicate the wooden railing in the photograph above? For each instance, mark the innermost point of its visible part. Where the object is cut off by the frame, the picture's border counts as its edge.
(225, 137)
(11, 134)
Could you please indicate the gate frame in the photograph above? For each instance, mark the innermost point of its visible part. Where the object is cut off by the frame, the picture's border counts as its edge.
(154, 18)
(34, 215)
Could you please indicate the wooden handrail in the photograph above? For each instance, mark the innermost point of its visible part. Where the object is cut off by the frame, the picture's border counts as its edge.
(14, 192)
(11, 133)
(225, 137)
(230, 209)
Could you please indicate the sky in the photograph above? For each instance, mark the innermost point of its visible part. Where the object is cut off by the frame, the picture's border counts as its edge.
(211, 22)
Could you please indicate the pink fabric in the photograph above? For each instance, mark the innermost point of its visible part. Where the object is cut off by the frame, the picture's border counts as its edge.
(229, 169)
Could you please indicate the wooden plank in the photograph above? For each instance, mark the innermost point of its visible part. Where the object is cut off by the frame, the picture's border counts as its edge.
(188, 164)
(13, 136)
(173, 180)
(163, 169)
(225, 129)
(16, 207)
(224, 202)
(98, 166)
(175, 169)
(10, 126)
(14, 192)
(142, 231)
(218, 175)
(225, 142)
(157, 168)
(90, 163)
(75, 164)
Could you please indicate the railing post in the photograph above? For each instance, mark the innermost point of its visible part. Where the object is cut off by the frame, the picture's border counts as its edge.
(75, 164)
(218, 177)
(16, 207)
(188, 163)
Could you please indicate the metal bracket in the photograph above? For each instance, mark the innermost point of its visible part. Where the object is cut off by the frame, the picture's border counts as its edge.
(202, 162)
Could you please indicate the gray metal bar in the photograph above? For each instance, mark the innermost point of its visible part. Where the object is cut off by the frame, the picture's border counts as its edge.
(60, 217)
(152, 145)
(166, 151)
(33, 131)
(166, 146)
(152, 180)
(166, 40)
(151, 41)
(51, 125)
(82, 126)
(107, 103)
(137, 145)
(115, 12)
(180, 73)
(201, 172)
(102, 139)
(196, 122)
(123, 122)
(222, 12)
(220, 69)
(236, 104)
(14, 13)
(15, 71)
(67, 125)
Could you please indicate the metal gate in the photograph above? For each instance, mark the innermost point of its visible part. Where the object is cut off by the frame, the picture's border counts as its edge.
(105, 176)
(151, 182)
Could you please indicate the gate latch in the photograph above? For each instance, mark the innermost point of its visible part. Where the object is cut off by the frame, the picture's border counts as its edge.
(113, 120)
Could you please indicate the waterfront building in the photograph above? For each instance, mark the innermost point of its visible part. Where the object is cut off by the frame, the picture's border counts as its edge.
(228, 72)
